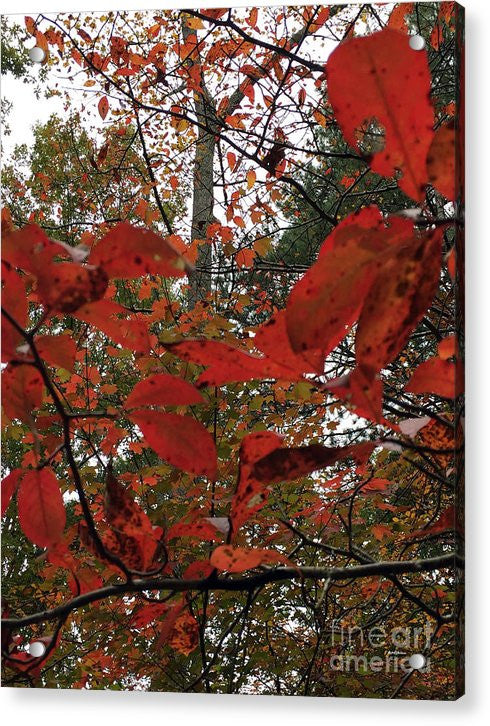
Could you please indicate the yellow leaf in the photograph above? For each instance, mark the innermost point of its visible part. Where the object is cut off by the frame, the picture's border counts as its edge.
(195, 23)
(262, 246)
(251, 177)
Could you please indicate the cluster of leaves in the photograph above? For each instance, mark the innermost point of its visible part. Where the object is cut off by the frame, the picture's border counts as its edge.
(213, 482)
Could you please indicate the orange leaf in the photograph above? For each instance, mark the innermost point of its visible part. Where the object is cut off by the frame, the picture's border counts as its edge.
(231, 159)
(441, 161)
(381, 531)
(320, 19)
(103, 107)
(238, 559)
(30, 25)
(245, 257)
(214, 13)
(252, 18)
(184, 636)
(376, 485)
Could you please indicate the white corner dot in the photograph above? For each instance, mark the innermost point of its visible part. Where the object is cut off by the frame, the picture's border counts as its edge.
(416, 661)
(37, 54)
(416, 42)
(36, 649)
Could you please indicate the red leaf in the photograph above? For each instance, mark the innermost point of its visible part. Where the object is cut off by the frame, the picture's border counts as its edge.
(379, 270)
(399, 296)
(376, 485)
(180, 440)
(29, 248)
(447, 348)
(380, 77)
(40, 505)
(201, 528)
(252, 18)
(26, 663)
(58, 350)
(288, 464)
(9, 487)
(132, 334)
(148, 614)
(327, 300)
(103, 107)
(227, 364)
(128, 252)
(251, 494)
(441, 161)
(435, 376)
(321, 19)
(14, 302)
(61, 286)
(137, 552)
(122, 512)
(197, 570)
(22, 391)
(397, 20)
(448, 521)
(273, 340)
(238, 559)
(65, 286)
(362, 392)
(163, 390)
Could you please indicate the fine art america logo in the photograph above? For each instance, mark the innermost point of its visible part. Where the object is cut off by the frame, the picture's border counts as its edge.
(399, 649)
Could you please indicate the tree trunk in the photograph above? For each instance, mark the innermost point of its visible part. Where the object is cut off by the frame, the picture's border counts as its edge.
(202, 188)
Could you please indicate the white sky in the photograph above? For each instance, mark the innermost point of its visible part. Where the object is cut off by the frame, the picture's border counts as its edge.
(27, 110)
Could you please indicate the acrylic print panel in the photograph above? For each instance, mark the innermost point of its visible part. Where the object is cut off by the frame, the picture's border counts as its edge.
(232, 350)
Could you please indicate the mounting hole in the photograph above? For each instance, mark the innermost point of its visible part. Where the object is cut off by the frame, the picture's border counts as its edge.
(417, 661)
(37, 649)
(37, 54)
(416, 42)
